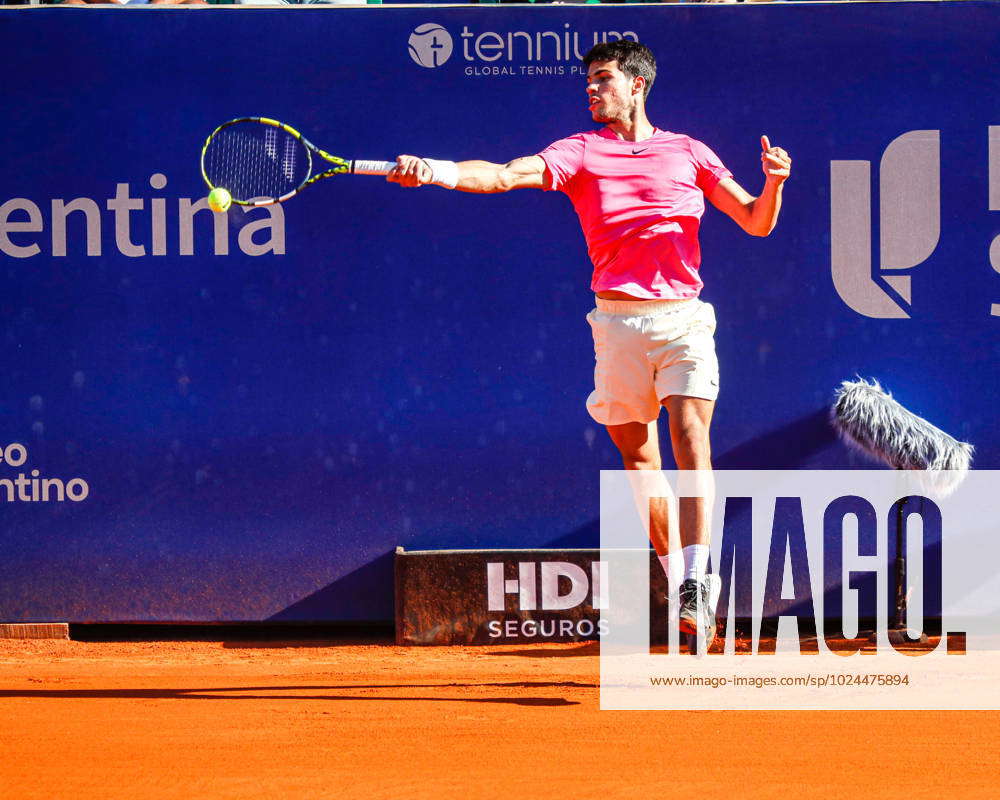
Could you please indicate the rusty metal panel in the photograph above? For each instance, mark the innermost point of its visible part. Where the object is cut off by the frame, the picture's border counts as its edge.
(506, 596)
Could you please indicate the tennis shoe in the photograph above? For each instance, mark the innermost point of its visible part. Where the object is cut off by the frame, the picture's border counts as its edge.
(697, 613)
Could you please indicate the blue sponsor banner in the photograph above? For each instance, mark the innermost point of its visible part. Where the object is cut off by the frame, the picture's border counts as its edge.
(240, 418)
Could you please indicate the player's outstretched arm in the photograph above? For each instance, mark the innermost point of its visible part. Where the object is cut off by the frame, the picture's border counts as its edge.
(481, 177)
(756, 215)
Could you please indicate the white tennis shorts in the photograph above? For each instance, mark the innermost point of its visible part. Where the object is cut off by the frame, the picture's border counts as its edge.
(648, 350)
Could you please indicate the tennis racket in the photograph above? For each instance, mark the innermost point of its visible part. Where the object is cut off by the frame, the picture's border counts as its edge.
(261, 161)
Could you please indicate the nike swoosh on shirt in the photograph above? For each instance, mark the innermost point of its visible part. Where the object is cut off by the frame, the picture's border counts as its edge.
(636, 152)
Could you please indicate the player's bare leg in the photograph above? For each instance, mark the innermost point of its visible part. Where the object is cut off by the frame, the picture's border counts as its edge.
(639, 446)
(690, 420)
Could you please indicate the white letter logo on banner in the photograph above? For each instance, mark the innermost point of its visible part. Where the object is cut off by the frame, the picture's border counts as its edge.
(430, 45)
(909, 223)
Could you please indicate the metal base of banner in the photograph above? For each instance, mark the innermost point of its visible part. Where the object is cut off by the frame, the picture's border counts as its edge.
(34, 630)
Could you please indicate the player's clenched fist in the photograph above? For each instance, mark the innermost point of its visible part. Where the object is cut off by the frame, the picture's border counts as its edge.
(777, 164)
(411, 171)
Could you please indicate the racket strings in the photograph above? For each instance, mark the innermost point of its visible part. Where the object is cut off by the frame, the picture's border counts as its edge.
(255, 161)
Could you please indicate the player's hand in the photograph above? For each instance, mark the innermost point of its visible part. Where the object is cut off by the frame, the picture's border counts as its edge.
(411, 171)
(776, 163)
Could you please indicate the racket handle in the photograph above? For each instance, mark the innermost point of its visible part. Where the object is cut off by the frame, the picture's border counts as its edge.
(372, 167)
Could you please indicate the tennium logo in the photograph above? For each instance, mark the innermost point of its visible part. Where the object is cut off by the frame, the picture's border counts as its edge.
(495, 53)
(430, 45)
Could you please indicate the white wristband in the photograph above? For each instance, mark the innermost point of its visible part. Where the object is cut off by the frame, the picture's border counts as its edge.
(445, 172)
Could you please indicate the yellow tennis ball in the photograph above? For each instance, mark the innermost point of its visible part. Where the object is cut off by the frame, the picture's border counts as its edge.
(219, 200)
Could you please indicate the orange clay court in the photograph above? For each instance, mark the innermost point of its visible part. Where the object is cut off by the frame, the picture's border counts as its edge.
(365, 719)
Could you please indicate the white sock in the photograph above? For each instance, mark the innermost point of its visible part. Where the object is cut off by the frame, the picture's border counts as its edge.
(696, 561)
(673, 568)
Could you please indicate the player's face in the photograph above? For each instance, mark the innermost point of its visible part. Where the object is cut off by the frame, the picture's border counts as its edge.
(609, 92)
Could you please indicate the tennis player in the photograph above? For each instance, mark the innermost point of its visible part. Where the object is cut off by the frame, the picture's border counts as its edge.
(640, 192)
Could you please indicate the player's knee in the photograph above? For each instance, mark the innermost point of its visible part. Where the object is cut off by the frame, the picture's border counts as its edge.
(637, 445)
(691, 444)
(630, 464)
(638, 460)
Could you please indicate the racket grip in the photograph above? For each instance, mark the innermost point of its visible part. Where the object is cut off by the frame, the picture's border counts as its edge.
(372, 167)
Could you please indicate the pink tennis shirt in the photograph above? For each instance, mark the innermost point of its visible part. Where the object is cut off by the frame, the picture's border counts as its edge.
(640, 205)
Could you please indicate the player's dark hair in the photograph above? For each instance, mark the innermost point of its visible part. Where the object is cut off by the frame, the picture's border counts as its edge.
(633, 59)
